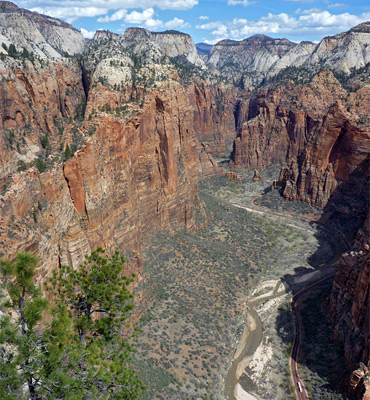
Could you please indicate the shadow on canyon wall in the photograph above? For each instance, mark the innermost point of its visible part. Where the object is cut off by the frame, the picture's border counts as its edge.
(321, 356)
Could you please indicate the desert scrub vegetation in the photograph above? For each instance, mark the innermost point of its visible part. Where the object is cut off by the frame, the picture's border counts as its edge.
(194, 287)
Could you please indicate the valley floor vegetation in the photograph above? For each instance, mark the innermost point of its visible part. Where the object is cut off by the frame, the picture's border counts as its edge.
(195, 286)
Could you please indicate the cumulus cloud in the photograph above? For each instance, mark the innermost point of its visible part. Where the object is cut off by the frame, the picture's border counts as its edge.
(71, 10)
(87, 34)
(117, 16)
(136, 17)
(322, 23)
(203, 17)
(70, 14)
(146, 18)
(176, 23)
(244, 3)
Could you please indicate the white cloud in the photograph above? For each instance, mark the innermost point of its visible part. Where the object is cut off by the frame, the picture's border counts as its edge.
(74, 9)
(203, 17)
(87, 34)
(104, 19)
(176, 23)
(336, 5)
(136, 17)
(218, 29)
(144, 18)
(118, 15)
(213, 41)
(309, 11)
(153, 23)
(210, 25)
(244, 3)
(72, 13)
(321, 23)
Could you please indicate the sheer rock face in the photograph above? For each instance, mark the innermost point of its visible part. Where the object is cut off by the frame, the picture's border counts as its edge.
(337, 148)
(129, 180)
(32, 99)
(248, 62)
(281, 121)
(177, 45)
(349, 310)
(45, 36)
(217, 114)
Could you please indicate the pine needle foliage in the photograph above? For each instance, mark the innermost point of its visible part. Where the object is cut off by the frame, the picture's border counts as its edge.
(74, 348)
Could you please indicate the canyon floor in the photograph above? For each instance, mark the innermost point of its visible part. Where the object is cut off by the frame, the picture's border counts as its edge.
(197, 289)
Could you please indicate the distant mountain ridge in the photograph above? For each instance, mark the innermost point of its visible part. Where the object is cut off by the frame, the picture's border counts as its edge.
(250, 61)
(204, 48)
(246, 63)
(42, 35)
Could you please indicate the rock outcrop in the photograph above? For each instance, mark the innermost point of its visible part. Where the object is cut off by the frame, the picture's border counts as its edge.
(247, 62)
(177, 44)
(44, 36)
(136, 156)
(130, 179)
(252, 61)
(281, 121)
(349, 310)
(337, 148)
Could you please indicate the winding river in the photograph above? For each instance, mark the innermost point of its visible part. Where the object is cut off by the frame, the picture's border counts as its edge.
(251, 339)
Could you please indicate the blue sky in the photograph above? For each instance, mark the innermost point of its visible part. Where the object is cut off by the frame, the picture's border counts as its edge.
(211, 20)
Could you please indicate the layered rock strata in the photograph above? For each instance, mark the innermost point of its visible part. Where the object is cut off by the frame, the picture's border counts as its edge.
(349, 309)
(338, 149)
(126, 182)
(282, 120)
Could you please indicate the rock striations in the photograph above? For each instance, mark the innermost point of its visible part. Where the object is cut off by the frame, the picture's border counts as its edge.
(44, 36)
(349, 309)
(254, 60)
(107, 148)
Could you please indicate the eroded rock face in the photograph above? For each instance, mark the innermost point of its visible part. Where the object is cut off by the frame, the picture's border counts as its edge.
(44, 36)
(177, 44)
(33, 98)
(218, 112)
(349, 310)
(337, 148)
(249, 62)
(281, 121)
(128, 181)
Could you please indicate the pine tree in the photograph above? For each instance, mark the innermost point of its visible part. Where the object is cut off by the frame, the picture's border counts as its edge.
(76, 349)
(67, 152)
(98, 300)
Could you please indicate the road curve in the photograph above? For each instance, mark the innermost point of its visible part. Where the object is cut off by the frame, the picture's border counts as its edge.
(300, 389)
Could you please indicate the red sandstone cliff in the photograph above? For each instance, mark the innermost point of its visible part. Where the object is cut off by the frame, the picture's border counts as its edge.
(337, 148)
(281, 121)
(349, 310)
(130, 179)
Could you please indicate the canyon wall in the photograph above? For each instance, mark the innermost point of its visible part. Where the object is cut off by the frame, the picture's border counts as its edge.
(281, 120)
(107, 149)
(127, 181)
(349, 310)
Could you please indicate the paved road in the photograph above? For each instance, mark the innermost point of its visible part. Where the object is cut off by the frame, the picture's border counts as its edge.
(298, 383)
